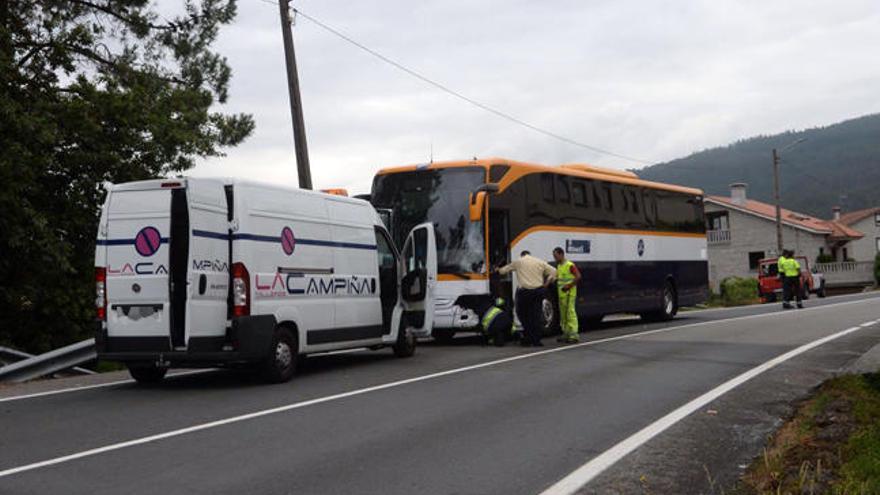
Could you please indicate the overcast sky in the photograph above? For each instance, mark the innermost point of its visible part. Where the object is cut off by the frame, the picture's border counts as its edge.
(651, 79)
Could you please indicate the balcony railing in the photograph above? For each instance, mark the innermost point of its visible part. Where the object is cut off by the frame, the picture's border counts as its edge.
(718, 236)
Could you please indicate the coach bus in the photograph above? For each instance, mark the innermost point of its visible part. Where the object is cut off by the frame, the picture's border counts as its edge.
(640, 245)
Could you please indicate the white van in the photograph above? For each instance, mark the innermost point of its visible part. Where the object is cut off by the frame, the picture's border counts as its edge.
(211, 272)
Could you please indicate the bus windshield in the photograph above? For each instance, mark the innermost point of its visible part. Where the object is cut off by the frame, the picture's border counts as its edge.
(438, 196)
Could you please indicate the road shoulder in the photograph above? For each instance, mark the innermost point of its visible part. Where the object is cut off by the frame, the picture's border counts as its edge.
(708, 451)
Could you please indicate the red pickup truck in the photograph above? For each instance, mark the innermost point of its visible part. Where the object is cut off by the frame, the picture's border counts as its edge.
(770, 285)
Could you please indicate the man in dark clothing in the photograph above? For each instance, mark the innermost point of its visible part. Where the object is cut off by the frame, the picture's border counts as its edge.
(533, 276)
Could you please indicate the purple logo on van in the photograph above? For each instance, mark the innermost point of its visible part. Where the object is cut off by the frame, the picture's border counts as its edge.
(288, 241)
(147, 241)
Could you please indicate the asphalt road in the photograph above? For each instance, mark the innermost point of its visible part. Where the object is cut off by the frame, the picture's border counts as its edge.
(454, 419)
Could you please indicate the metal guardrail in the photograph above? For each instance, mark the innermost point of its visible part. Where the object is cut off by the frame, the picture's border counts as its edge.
(50, 362)
(9, 355)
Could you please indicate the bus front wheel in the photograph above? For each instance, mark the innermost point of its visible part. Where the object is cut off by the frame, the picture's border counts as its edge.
(549, 316)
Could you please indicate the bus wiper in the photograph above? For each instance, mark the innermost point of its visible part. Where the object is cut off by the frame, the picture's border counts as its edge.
(462, 276)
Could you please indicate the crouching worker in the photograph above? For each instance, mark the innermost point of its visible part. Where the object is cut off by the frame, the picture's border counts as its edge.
(497, 323)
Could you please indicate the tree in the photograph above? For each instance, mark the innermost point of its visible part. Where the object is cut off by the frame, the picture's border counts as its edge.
(93, 91)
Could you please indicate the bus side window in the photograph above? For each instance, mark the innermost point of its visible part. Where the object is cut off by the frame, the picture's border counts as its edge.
(650, 207)
(547, 188)
(562, 192)
(609, 198)
(579, 194)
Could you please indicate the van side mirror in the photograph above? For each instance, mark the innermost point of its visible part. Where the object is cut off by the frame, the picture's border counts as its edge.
(477, 200)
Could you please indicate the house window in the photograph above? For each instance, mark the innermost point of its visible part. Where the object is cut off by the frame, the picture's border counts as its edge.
(717, 220)
(878, 244)
(877, 219)
(845, 255)
(754, 259)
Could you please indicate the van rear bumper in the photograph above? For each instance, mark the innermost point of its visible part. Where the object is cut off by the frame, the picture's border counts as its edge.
(249, 338)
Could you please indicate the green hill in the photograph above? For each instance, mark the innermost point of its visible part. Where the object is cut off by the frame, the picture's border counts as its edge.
(836, 165)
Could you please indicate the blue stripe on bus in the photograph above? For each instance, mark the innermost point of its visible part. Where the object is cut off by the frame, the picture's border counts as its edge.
(123, 242)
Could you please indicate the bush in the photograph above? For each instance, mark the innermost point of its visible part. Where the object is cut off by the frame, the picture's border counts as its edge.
(824, 258)
(736, 291)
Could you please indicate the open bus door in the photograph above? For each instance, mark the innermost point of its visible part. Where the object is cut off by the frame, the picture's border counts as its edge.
(419, 279)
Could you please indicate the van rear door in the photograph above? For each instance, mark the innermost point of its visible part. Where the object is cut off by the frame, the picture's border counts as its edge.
(137, 248)
(207, 278)
(167, 255)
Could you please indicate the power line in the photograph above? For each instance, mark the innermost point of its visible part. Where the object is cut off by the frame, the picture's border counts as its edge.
(447, 90)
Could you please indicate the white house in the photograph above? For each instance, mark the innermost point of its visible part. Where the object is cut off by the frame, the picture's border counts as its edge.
(742, 231)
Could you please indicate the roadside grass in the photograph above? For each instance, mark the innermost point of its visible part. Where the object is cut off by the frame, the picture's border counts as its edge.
(830, 446)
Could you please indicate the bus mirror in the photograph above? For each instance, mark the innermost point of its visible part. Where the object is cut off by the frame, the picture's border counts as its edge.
(476, 202)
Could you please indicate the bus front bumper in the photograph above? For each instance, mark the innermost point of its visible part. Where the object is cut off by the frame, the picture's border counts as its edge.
(447, 314)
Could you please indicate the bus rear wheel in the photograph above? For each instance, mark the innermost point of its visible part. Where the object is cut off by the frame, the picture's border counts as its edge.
(669, 305)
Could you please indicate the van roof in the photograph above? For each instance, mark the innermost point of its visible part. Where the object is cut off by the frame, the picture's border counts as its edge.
(173, 182)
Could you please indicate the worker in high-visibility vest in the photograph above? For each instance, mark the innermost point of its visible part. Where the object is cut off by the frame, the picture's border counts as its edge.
(567, 278)
(497, 323)
(790, 271)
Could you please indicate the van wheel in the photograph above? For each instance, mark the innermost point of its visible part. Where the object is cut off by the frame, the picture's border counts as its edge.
(821, 292)
(405, 345)
(443, 335)
(280, 365)
(669, 307)
(147, 373)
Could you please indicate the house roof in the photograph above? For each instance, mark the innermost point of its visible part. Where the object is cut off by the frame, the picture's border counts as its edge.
(852, 217)
(833, 229)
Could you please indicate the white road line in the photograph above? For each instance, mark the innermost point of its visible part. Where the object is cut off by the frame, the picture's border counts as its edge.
(120, 382)
(89, 387)
(586, 473)
(375, 388)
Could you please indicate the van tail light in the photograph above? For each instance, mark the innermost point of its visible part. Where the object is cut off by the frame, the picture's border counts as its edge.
(241, 289)
(101, 293)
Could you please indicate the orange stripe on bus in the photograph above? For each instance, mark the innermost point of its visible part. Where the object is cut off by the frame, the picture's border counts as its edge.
(520, 169)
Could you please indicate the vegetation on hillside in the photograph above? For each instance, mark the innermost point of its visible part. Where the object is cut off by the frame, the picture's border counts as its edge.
(835, 165)
(93, 91)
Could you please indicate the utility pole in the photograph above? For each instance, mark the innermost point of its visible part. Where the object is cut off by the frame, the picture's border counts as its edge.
(778, 206)
(776, 192)
(299, 128)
